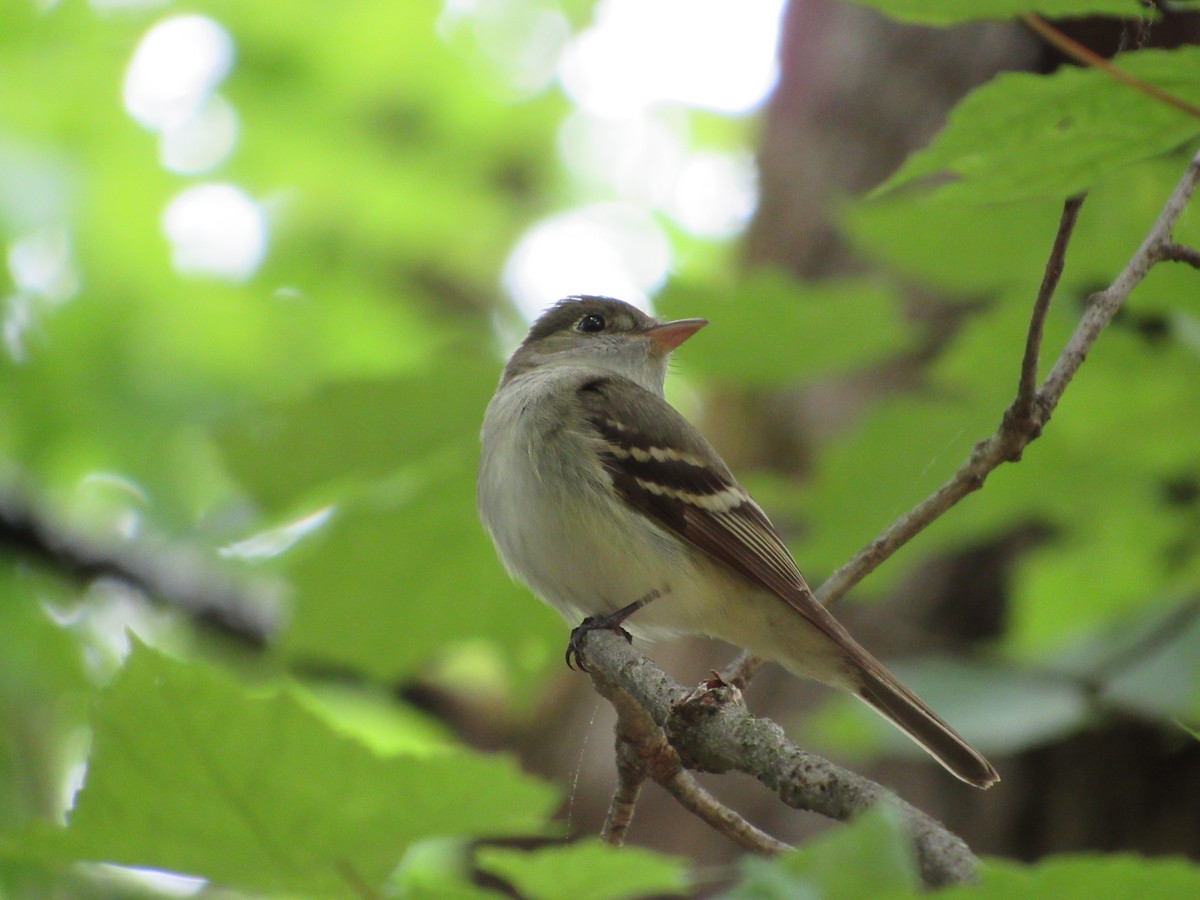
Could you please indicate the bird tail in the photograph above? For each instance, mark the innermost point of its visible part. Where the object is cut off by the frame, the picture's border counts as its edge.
(879, 689)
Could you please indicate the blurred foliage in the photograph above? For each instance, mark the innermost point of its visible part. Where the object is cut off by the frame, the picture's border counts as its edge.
(588, 870)
(316, 424)
(871, 857)
(797, 334)
(190, 773)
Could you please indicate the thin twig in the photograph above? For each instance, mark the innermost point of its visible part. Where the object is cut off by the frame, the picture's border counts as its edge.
(1087, 57)
(639, 744)
(1179, 253)
(742, 670)
(1015, 431)
(694, 798)
(1022, 407)
(624, 801)
(1012, 436)
(1104, 306)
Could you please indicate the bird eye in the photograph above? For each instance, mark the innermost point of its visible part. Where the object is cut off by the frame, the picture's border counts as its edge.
(591, 323)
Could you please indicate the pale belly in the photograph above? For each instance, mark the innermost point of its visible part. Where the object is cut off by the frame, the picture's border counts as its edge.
(559, 529)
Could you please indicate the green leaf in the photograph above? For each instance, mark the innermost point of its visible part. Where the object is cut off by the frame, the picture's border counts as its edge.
(355, 431)
(375, 719)
(402, 572)
(969, 250)
(980, 249)
(870, 857)
(191, 773)
(437, 869)
(1116, 877)
(1024, 135)
(1147, 663)
(950, 12)
(586, 870)
(43, 695)
(771, 329)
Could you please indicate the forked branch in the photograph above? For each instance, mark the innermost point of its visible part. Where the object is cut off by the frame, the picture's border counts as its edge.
(711, 730)
(727, 737)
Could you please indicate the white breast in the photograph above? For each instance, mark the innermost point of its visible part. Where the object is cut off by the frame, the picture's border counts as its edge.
(548, 505)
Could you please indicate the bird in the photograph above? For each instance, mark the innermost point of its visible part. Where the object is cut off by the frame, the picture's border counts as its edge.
(613, 509)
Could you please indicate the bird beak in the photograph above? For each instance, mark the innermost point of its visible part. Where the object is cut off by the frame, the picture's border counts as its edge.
(666, 336)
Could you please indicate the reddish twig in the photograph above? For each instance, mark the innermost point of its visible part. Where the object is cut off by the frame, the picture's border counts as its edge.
(1087, 57)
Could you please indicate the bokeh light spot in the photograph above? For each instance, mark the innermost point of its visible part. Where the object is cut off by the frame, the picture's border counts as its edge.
(714, 194)
(175, 68)
(216, 229)
(608, 248)
(705, 53)
(203, 140)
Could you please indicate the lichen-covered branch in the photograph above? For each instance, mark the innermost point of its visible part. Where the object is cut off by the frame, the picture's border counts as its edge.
(643, 752)
(712, 730)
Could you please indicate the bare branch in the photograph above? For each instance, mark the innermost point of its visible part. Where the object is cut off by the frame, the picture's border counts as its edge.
(172, 574)
(1103, 306)
(1022, 408)
(1179, 253)
(644, 752)
(713, 731)
(1014, 434)
(694, 798)
(638, 742)
(624, 801)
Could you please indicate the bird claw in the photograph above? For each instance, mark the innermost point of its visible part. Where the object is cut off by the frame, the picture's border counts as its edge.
(574, 654)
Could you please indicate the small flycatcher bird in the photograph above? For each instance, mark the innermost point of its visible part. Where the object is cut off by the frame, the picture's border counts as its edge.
(605, 501)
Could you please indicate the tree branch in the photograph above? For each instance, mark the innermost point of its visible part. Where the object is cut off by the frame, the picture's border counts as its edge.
(1022, 423)
(1022, 407)
(643, 751)
(1173, 252)
(713, 731)
(694, 798)
(1016, 432)
(171, 574)
(625, 797)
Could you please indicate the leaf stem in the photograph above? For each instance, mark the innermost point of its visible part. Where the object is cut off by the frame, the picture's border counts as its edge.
(1087, 57)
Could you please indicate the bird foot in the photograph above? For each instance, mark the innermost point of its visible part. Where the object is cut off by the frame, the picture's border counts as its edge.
(574, 655)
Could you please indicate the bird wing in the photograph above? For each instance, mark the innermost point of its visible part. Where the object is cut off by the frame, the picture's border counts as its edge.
(661, 465)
